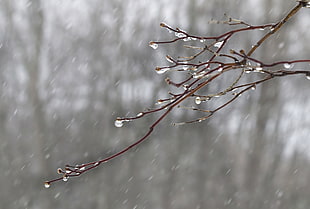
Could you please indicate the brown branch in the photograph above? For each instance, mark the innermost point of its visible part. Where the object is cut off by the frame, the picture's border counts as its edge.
(201, 75)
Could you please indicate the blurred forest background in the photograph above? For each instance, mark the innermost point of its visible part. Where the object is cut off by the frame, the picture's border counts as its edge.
(69, 68)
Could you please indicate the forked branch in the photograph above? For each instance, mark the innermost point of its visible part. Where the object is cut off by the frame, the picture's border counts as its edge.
(202, 74)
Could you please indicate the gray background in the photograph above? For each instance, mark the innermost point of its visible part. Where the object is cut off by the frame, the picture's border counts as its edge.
(69, 68)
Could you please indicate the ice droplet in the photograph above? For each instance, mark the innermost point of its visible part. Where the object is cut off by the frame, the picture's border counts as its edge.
(258, 69)
(185, 67)
(65, 178)
(161, 70)
(218, 44)
(180, 35)
(187, 39)
(153, 45)
(287, 65)
(198, 100)
(47, 184)
(118, 123)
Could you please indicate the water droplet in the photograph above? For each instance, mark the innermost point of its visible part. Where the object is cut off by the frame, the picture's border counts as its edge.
(198, 100)
(153, 45)
(118, 123)
(65, 178)
(220, 69)
(287, 65)
(200, 75)
(218, 44)
(253, 87)
(47, 184)
(161, 70)
(258, 69)
(139, 114)
(185, 67)
(308, 77)
(187, 39)
(82, 169)
(179, 34)
(169, 59)
(159, 102)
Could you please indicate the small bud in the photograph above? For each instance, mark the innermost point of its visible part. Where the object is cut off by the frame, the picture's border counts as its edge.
(163, 25)
(60, 171)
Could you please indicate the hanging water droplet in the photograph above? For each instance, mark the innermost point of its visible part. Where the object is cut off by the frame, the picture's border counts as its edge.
(118, 123)
(220, 69)
(185, 67)
(179, 34)
(218, 44)
(308, 77)
(139, 114)
(47, 185)
(287, 65)
(153, 45)
(160, 101)
(258, 69)
(253, 87)
(187, 39)
(198, 100)
(161, 70)
(65, 178)
(82, 169)
(200, 75)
